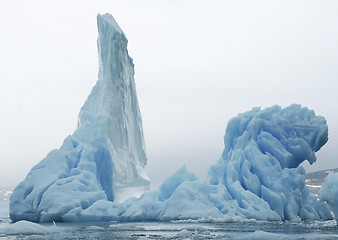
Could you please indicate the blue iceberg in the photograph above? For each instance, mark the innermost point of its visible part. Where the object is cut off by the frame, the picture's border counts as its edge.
(260, 165)
(104, 158)
(98, 173)
(329, 192)
(257, 177)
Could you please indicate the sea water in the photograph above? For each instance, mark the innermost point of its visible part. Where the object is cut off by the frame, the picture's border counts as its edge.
(203, 229)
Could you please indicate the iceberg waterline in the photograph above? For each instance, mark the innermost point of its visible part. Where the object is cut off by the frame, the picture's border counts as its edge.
(258, 175)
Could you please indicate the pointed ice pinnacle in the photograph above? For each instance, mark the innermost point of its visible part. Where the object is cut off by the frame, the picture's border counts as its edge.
(114, 99)
(105, 156)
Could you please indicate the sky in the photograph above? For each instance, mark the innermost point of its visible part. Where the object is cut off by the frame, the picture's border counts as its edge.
(197, 65)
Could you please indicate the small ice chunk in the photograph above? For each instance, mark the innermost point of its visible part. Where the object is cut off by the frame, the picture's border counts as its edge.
(184, 233)
(24, 227)
(329, 192)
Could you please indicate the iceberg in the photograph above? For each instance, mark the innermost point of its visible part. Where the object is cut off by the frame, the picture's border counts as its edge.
(260, 165)
(258, 176)
(329, 192)
(98, 173)
(104, 158)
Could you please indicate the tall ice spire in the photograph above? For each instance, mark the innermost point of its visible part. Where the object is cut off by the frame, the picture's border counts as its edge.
(104, 158)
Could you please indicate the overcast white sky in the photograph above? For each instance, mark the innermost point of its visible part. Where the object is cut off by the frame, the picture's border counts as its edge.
(197, 63)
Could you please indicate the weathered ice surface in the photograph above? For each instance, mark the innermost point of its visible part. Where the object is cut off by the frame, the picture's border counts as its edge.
(260, 165)
(329, 192)
(104, 156)
(257, 177)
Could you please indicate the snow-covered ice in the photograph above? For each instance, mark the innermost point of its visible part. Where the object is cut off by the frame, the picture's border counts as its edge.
(329, 192)
(258, 175)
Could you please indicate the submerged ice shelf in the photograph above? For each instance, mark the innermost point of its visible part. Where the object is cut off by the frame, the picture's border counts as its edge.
(258, 175)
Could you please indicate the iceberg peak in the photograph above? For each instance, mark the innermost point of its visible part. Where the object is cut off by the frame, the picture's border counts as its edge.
(110, 20)
(104, 158)
(114, 100)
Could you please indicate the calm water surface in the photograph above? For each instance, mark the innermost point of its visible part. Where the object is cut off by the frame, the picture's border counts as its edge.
(184, 230)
